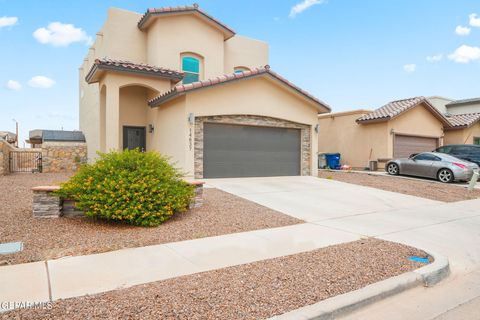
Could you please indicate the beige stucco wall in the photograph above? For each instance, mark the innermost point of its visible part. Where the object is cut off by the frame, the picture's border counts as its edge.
(133, 108)
(418, 122)
(462, 136)
(168, 37)
(357, 144)
(245, 52)
(170, 136)
(236, 98)
(360, 143)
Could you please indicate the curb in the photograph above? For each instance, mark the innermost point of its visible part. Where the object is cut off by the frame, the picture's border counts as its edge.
(346, 303)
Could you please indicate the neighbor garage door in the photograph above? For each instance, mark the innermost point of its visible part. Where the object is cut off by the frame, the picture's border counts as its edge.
(404, 146)
(250, 151)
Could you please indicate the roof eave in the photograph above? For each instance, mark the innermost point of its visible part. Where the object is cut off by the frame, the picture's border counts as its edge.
(91, 76)
(377, 120)
(174, 94)
(145, 22)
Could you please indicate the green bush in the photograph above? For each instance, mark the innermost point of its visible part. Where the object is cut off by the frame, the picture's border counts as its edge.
(131, 186)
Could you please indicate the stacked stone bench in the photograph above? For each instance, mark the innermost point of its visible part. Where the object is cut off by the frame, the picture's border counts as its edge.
(46, 204)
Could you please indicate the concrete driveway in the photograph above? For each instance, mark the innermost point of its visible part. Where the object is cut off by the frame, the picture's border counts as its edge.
(312, 199)
(449, 229)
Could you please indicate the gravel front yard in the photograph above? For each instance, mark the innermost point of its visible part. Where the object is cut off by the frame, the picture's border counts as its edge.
(252, 291)
(222, 213)
(420, 188)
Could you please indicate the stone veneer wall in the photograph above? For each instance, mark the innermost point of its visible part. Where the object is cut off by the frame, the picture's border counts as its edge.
(63, 156)
(306, 152)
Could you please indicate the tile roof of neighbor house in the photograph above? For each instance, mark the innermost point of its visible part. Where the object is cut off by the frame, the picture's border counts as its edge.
(182, 89)
(463, 101)
(152, 12)
(128, 66)
(465, 120)
(395, 108)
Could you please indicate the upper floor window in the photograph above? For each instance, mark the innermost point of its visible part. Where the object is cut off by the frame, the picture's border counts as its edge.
(191, 68)
(240, 69)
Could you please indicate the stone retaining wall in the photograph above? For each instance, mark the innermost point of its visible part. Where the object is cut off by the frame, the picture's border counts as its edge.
(47, 205)
(63, 156)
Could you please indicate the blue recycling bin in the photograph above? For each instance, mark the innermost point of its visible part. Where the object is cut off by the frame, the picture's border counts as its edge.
(333, 160)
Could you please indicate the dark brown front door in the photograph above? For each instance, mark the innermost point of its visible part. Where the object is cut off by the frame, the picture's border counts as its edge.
(134, 138)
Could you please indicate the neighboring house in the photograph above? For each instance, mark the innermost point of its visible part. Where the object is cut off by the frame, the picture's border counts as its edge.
(463, 106)
(465, 129)
(395, 130)
(440, 103)
(8, 136)
(38, 137)
(182, 83)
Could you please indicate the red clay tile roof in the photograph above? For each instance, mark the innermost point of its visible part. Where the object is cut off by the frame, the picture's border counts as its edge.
(182, 89)
(395, 108)
(465, 120)
(151, 12)
(127, 66)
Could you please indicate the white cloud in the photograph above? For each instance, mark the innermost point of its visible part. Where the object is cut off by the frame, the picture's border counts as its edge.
(41, 82)
(474, 21)
(61, 35)
(8, 21)
(435, 58)
(302, 6)
(410, 68)
(465, 54)
(13, 85)
(462, 31)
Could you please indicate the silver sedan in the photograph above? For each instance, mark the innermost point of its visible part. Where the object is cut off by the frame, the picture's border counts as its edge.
(434, 165)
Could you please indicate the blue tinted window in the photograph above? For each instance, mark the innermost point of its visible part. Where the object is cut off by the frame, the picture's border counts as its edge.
(190, 64)
(190, 77)
(191, 68)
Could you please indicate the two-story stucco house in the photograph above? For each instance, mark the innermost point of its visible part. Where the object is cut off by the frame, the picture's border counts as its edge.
(180, 82)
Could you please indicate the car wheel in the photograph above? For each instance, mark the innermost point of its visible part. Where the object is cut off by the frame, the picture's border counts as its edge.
(445, 175)
(393, 169)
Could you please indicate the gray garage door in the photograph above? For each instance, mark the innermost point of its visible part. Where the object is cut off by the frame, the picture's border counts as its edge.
(250, 151)
(404, 146)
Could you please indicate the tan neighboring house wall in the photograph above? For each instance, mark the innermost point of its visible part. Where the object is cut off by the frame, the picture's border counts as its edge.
(463, 136)
(416, 122)
(360, 143)
(357, 144)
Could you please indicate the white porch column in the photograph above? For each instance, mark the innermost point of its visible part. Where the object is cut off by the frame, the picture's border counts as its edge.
(112, 119)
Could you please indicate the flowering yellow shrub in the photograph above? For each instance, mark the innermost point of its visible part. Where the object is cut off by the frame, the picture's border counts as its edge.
(130, 186)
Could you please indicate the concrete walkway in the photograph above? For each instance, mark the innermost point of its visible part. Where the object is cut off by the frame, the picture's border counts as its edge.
(335, 212)
(76, 276)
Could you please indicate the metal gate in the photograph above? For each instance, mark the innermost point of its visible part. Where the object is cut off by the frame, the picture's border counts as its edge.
(25, 161)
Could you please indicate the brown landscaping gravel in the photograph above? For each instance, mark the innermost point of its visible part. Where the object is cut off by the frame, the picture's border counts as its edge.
(252, 291)
(222, 213)
(420, 188)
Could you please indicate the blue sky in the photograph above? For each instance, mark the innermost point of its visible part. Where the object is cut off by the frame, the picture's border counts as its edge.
(349, 53)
